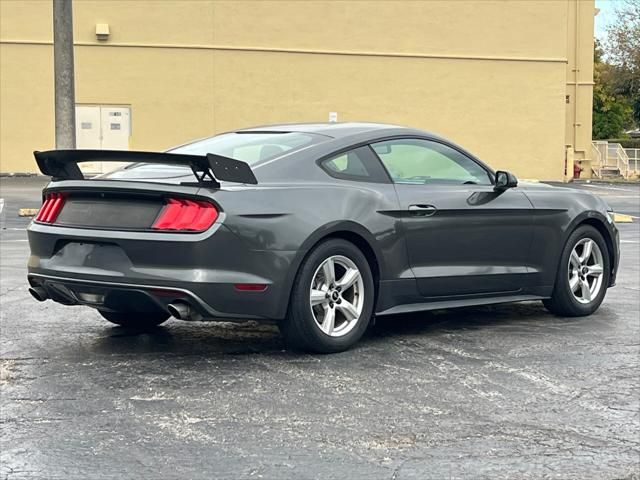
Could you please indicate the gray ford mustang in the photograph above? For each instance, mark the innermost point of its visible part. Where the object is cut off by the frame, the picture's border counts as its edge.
(316, 226)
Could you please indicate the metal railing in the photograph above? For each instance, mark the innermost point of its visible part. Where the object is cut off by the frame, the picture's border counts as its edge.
(596, 159)
(610, 158)
(633, 154)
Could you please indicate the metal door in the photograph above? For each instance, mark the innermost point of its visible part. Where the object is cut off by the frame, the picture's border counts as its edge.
(88, 134)
(102, 127)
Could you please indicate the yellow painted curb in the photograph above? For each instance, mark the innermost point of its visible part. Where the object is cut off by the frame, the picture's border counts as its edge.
(622, 218)
(28, 212)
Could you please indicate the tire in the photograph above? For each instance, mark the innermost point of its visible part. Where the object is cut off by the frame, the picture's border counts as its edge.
(308, 327)
(135, 320)
(568, 302)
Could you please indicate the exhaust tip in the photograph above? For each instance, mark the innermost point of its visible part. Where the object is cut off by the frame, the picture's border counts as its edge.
(183, 311)
(180, 311)
(39, 293)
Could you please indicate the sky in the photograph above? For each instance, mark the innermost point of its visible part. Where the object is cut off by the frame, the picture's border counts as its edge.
(606, 15)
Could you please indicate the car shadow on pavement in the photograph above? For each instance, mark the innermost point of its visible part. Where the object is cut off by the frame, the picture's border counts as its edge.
(183, 338)
(251, 338)
(516, 315)
(530, 318)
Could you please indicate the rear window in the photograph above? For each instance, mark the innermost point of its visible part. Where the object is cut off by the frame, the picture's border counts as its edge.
(251, 147)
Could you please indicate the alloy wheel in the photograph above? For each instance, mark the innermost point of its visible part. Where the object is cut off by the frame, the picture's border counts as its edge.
(586, 269)
(336, 296)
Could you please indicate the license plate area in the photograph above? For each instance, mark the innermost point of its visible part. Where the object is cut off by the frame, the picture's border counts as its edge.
(110, 213)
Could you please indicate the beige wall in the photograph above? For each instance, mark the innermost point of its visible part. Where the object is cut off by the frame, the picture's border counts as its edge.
(491, 75)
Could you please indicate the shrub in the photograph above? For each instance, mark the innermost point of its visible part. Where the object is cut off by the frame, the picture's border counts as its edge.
(626, 142)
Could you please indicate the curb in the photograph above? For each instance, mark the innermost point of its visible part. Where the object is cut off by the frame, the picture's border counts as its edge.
(20, 175)
(622, 218)
(622, 181)
(28, 212)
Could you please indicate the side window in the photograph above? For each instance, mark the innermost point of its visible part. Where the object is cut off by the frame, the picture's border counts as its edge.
(417, 161)
(347, 164)
(359, 164)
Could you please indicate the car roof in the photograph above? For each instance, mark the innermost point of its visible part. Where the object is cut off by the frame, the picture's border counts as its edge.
(334, 129)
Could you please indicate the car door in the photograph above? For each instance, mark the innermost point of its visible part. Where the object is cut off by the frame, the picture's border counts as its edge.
(462, 236)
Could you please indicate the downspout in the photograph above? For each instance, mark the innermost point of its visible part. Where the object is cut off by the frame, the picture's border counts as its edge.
(576, 71)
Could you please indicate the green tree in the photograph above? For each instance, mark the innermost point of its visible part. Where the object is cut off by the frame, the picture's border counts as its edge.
(622, 48)
(611, 112)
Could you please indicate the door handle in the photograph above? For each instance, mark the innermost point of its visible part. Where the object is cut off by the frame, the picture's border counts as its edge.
(422, 210)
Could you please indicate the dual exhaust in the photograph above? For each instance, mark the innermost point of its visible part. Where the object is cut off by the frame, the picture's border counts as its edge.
(183, 311)
(178, 310)
(39, 293)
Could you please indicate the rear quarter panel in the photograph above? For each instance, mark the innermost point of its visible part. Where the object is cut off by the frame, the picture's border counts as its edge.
(293, 218)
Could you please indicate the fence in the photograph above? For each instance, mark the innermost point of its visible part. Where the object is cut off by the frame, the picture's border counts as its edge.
(612, 159)
(634, 160)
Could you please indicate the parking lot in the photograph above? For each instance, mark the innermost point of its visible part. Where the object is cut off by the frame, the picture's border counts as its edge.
(493, 392)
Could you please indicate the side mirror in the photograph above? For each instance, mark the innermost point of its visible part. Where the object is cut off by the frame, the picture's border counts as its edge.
(505, 180)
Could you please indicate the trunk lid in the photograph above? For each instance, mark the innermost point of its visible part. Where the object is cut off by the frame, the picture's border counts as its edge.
(119, 205)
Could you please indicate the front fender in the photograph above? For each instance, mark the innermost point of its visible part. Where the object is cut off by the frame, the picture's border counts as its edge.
(557, 213)
(607, 228)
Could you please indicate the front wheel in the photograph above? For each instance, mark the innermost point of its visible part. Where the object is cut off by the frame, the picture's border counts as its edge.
(332, 299)
(583, 274)
(134, 320)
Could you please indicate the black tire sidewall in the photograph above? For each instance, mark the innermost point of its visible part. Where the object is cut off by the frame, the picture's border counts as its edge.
(562, 291)
(300, 312)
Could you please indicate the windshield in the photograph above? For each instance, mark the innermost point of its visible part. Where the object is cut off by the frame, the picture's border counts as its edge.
(251, 147)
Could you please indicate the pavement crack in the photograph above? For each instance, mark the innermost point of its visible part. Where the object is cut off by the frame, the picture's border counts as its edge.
(28, 399)
(2, 294)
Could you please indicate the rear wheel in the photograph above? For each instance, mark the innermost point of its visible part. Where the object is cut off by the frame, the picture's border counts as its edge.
(332, 299)
(583, 274)
(134, 319)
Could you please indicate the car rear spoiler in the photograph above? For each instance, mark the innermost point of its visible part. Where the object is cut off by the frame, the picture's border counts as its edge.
(209, 169)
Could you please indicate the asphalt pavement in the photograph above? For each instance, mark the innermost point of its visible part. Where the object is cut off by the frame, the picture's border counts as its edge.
(502, 392)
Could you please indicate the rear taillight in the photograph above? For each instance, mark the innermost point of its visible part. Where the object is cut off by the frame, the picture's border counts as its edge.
(51, 208)
(180, 214)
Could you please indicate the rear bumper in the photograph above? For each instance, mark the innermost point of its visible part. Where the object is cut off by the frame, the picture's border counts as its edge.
(141, 271)
(116, 296)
